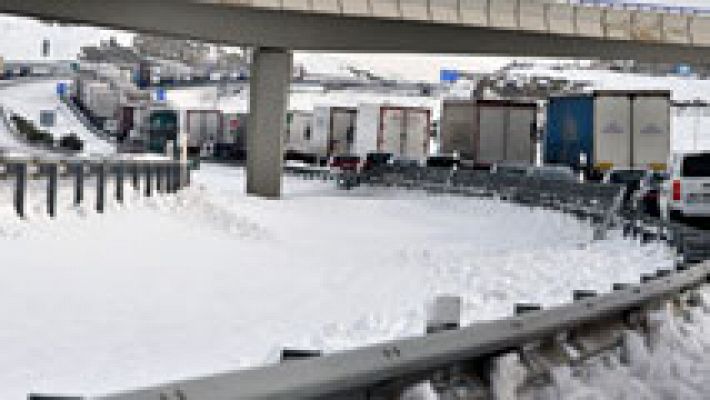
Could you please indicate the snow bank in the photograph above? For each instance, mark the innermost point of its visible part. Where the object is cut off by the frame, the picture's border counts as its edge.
(212, 280)
(676, 367)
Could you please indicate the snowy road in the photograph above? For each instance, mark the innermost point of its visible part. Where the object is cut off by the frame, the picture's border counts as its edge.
(28, 99)
(215, 280)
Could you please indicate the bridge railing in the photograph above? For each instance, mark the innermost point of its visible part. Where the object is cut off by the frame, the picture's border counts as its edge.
(591, 18)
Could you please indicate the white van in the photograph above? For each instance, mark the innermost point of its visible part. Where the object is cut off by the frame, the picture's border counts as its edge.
(687, 192)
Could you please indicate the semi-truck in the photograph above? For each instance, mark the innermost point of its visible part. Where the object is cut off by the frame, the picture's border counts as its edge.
(609, 129)
(489, 131)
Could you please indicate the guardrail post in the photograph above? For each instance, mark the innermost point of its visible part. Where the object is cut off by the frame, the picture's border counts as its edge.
(52, 179)
(135, 176)
(148, 183)
(79, 183)
(119, 181)
(159, 178)
(444, 314)
(100, 187)
(175, 177)
(169, 177)
(20, 188)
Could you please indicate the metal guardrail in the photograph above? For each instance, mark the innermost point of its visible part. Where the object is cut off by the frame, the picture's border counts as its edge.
(591, 18)
(161, 176)
(378, 371)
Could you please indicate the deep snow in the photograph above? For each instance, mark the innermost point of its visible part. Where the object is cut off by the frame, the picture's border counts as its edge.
(213, 280)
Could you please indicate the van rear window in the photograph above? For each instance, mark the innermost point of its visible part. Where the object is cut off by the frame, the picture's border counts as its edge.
(696, 166)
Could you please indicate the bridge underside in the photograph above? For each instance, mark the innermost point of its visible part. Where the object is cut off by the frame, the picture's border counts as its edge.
(275, 29)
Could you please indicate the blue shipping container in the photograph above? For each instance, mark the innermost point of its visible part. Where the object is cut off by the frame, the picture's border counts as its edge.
(570, 130)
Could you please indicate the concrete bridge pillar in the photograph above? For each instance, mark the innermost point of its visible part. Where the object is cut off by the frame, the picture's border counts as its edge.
(270, 82)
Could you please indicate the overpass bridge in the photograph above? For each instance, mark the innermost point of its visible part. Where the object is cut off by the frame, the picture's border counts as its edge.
(543, 28)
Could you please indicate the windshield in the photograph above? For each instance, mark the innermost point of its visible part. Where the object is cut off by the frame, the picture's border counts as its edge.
(696, 166)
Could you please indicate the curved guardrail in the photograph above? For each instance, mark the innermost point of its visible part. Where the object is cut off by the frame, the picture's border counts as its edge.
(382, 370)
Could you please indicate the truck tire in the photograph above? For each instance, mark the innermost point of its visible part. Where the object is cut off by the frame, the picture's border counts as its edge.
(676, 216)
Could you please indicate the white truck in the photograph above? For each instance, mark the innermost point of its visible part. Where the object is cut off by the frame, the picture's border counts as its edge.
(402, 131)
(299, 132)
(333, 130)
(204, 128)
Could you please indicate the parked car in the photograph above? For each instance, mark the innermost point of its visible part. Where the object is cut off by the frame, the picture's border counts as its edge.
(553, 173)
(629, 177)
(647, 198)
(686, 193)
(344, 162)
(375, 160)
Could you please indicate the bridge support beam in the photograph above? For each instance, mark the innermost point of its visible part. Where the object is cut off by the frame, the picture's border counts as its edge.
(269, 91)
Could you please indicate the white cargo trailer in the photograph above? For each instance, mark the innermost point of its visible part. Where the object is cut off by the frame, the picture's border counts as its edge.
(612, 129)
(458, 128)
(299, 132)
(400, 130)
(489, 131)
(204, 127)
(333, 130)
(632, 129)
(651, 138)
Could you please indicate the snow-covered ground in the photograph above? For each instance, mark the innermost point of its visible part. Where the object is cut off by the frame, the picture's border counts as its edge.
(213, 280)
(29, 99)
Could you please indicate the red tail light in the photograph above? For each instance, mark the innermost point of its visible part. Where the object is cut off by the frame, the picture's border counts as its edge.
(676, 190)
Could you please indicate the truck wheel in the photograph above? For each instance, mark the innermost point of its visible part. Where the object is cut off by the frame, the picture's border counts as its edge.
(676, 216)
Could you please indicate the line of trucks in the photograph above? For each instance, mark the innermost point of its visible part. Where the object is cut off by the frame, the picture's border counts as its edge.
(592, 132)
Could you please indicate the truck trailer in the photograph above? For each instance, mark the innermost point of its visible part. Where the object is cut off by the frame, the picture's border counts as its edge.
(489, 131)
(333, 130)
(402, 131)
(609, 129)
(203, 127)
(299, 132)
